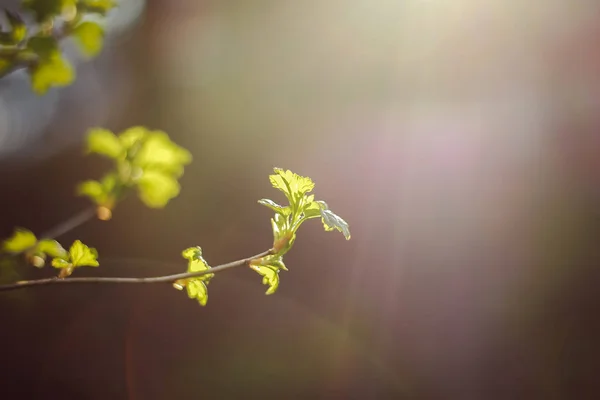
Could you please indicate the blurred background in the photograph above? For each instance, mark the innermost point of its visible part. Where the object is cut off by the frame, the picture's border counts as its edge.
(458, 138)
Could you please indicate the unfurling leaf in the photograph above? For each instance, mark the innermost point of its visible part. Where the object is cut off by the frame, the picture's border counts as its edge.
(196, 287)
(21, 240)
(79, 255)
(101, 193)
(51, 247)
(275, 207)
(268, 267)
(102, 141)
(270, 277)
(60, 263)
(332, 221)
(157, 188)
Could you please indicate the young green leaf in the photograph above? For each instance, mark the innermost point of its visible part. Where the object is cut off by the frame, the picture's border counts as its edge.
(49, 72)
(196, 287)
(292, 185)
(196, 262)
(268, 267)
(104, 142)
(83, 256)
(89, 36)
(61, 263)
(270, 277)
(132, 136)
(21, 240)
(101, 193)
(51, 248)
(275, 207)
(332, 221)
(159, 153)
(157, 188)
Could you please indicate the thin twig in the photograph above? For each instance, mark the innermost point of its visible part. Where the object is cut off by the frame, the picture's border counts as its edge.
(70, 224)
(155, 279)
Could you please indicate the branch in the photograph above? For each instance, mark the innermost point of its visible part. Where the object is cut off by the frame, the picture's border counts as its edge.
(155, 279)
(70, 224)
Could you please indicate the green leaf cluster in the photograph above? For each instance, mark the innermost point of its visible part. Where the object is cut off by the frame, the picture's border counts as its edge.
(301, 206)
(145, 159)
(36, 250)
(79, 255)
(38, 48)
(197, 287)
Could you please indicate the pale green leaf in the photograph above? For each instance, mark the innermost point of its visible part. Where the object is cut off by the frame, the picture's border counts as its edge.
(49, 72)
(51, 248)
(102, 141)
(270, 276)
(92, 189)
(159, 153)
(196, 262)
(275, 207)
(21, 240)
(157, 188)
(332, 221)
(82, 255)
(61, 263)
(292, 185)
(89, 36)
(196, 289)
(133, 136)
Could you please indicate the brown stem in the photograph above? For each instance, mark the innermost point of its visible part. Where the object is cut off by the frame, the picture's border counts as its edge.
(156, 279)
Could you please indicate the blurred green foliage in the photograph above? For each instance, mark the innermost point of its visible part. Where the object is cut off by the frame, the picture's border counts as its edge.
(145, 159)
(37, 48)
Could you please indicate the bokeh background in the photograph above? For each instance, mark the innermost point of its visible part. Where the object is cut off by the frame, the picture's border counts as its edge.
(460, 139)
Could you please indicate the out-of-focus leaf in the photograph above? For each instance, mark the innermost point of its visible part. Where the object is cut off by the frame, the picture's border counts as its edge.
(133, 136)
(157, 188)
(89, 36)
(161, 154)
(51, 248)
(102, 141)
(21, 240)
(49, 72)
